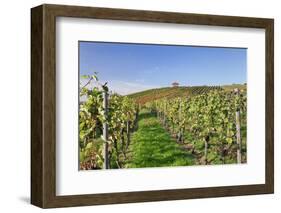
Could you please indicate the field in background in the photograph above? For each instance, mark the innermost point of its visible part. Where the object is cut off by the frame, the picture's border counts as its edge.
(181, 91)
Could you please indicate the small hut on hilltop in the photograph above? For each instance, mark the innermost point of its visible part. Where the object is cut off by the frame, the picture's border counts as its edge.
(175, 84)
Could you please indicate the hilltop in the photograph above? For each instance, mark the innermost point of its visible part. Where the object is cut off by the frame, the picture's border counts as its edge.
(180, 91)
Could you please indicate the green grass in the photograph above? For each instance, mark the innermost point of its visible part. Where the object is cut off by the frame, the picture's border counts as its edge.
(152, 146)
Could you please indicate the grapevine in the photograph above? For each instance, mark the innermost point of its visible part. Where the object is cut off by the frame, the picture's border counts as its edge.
(206, 122)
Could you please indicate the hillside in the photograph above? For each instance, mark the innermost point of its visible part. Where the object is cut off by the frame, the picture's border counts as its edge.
(233, 86)
(182, 91)
(153, 94)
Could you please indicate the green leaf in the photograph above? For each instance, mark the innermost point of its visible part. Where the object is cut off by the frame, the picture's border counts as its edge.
(84, 76)
(89, 145)
(229, 140)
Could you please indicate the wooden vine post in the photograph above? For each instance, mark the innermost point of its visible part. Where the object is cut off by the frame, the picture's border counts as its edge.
(205, 151)
(165, 111)
(180, 129)
(105, 131)
(238, 130)
(128, 133)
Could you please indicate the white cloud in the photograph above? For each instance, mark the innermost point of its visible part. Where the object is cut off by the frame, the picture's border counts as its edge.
(122, 87)
(125, 88)
(141, 81)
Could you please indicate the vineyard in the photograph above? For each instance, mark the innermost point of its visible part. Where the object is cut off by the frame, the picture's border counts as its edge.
(180, 126)
(212, 125)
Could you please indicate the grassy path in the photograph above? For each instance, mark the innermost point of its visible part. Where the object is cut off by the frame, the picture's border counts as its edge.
(152, 146)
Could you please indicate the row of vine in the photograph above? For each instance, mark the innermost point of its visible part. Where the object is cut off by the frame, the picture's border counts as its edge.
(212, 125)
(120, 118)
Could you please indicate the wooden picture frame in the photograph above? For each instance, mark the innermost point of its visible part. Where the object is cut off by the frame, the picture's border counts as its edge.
(43, 105)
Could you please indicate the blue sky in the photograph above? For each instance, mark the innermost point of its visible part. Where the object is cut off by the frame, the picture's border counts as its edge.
(130, 68)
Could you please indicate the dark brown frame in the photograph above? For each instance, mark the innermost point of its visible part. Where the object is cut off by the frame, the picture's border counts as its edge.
(43, 105)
